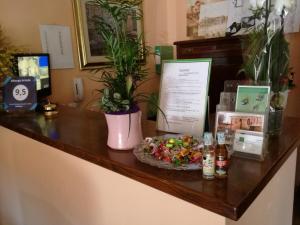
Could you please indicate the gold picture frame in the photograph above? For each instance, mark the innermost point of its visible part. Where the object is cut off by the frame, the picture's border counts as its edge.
(90, 45)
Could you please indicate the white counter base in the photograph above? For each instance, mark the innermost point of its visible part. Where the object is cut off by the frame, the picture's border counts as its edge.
(40, 185)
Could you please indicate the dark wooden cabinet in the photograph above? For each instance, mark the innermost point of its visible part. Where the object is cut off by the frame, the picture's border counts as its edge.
(226, 54)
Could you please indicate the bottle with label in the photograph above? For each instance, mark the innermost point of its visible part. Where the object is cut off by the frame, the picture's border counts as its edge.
(221, 157)
(208, 158)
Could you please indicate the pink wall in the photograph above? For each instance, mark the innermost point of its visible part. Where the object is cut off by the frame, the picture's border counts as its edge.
(164, 23)
(21, 19)
(293, 108)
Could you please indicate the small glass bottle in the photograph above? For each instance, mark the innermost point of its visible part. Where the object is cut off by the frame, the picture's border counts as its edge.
(221, 157)
(208, 158)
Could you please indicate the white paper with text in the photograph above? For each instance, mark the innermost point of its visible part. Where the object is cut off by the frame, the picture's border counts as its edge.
(183, 96)
(56, 40)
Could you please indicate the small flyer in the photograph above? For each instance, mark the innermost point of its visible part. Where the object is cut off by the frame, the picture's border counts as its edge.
(228, 122)
(252, 99)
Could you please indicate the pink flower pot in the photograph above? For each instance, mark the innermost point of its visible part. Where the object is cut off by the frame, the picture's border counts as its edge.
(119, 136)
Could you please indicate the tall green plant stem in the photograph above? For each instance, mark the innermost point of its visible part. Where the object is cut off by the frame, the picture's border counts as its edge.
(268, 46)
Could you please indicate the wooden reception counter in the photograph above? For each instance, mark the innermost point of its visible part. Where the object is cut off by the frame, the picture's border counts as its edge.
(43, 183)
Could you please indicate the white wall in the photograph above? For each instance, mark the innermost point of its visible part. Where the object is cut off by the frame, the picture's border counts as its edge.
(40, 185)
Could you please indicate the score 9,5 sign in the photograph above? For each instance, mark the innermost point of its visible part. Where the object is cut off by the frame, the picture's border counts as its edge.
(20, 94)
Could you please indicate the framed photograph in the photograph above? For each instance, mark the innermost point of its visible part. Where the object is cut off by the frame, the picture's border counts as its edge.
(91, 48)
(206, 19)
(183, 96)
(229, 122)
(252, 99)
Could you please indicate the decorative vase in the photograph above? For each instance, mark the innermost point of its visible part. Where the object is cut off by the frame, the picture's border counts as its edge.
(275, 122)
(124, 131)
(276, 114)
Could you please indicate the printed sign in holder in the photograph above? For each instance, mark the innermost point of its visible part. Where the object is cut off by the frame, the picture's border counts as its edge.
(252, 99)
(20, 94)
(183, 96)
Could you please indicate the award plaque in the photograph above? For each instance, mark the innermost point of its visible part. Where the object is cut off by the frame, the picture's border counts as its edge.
(20, 94)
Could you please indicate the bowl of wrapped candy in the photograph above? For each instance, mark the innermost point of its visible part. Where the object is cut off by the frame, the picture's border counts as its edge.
(179, 152)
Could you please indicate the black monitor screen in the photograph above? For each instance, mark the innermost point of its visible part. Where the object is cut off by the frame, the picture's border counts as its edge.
(38, 66)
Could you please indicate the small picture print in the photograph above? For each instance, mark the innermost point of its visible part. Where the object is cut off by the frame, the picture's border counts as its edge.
(229, 122)
(252, 99)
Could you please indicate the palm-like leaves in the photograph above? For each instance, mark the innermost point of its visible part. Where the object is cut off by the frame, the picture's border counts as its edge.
(124, 51)
(267, 55)
(279, 66)
(6, 55)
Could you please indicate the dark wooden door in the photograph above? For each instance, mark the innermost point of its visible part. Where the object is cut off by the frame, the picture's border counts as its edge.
(226, 54)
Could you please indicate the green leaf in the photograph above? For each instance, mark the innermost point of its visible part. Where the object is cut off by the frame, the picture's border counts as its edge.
(129, 81)
(117, 96)
(126, 72)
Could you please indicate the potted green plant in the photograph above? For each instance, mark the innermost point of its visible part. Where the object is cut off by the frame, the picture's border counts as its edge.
(266, 58)
(6, 65)
(121, 78)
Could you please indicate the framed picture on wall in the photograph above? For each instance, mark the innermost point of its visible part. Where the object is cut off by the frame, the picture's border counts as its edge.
(91, 48)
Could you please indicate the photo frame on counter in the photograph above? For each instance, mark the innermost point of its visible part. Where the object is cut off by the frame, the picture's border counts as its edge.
(252, 99)
(91, 48)
(228, 122)
(249, 144)
(183, 96)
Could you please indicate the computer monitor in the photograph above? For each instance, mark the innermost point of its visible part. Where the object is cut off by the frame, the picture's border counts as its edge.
(36, 65)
